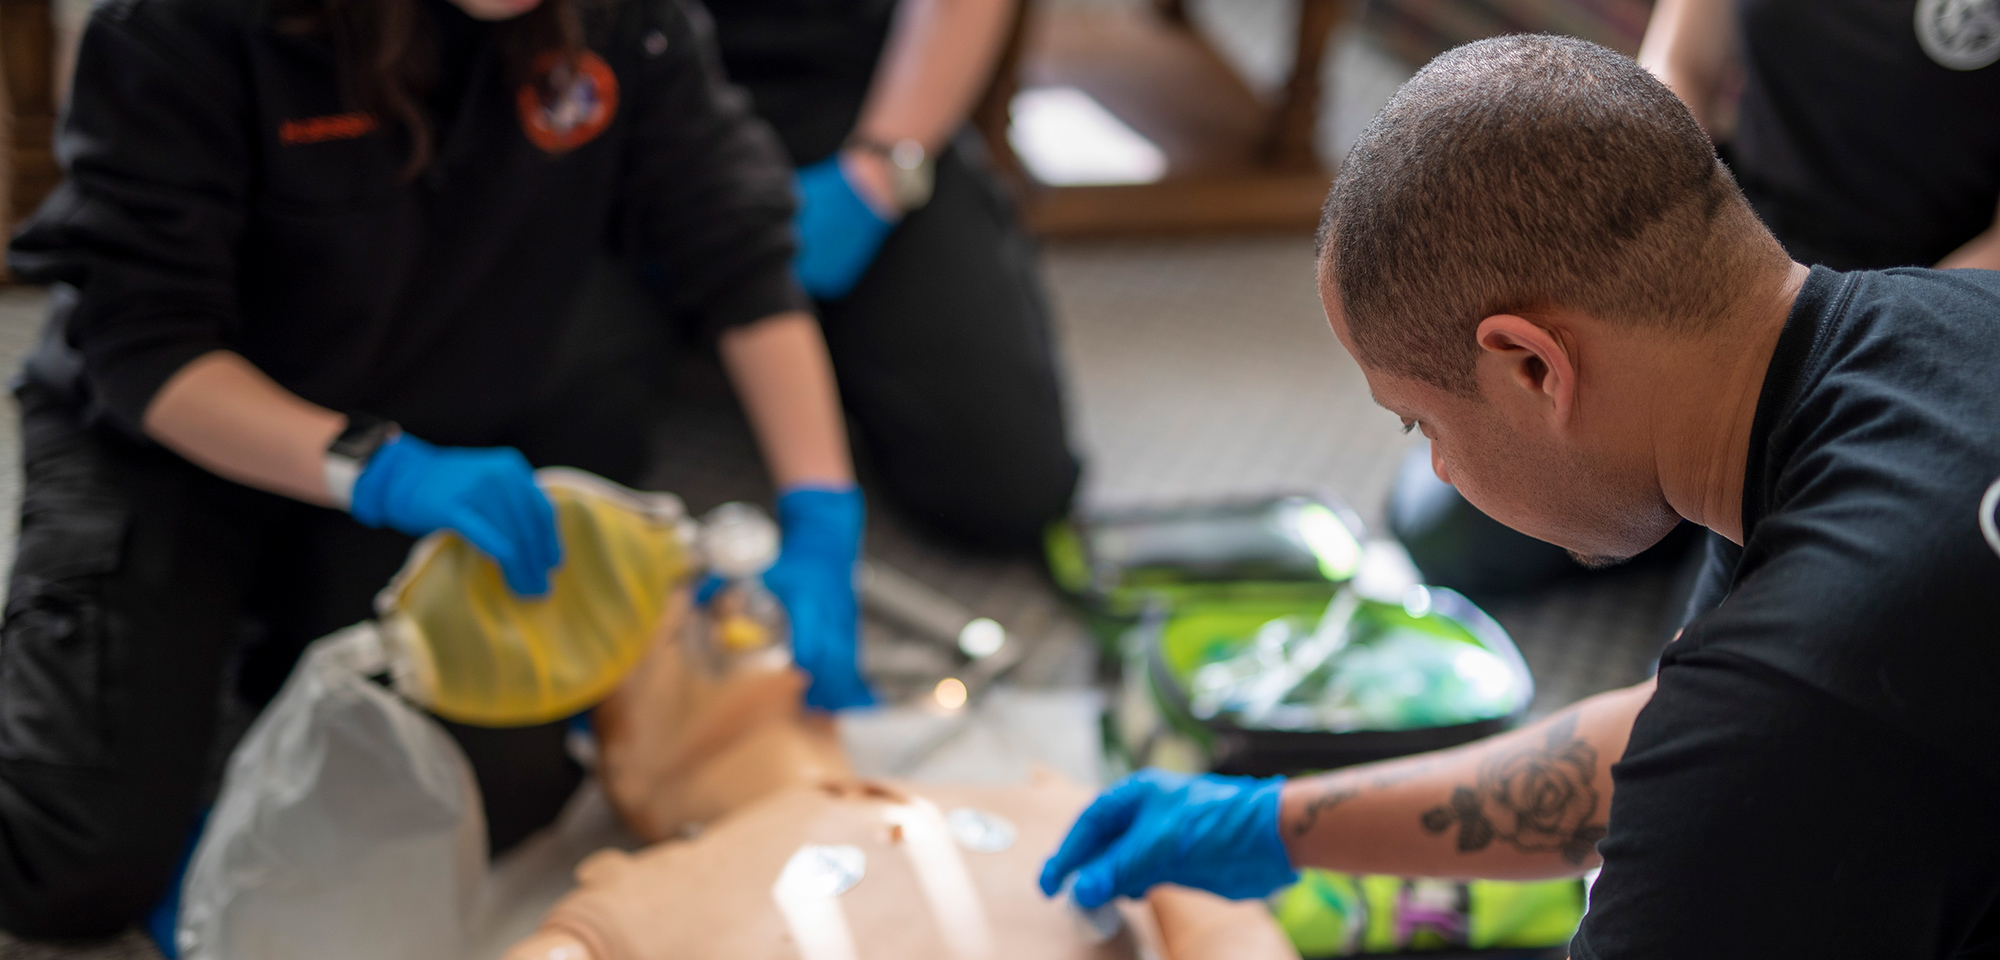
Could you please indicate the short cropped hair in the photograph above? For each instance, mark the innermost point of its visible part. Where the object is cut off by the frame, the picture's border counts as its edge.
(1522, 173)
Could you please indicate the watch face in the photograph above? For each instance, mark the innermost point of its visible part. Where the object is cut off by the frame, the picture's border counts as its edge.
(912, 184)
(912, 173)
(363, 436)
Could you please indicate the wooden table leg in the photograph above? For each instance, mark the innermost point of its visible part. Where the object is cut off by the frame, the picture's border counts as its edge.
(1289, 144)
(1233, 163)
(27, 64)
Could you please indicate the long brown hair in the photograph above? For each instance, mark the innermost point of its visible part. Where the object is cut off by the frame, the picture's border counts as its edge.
(386, 55)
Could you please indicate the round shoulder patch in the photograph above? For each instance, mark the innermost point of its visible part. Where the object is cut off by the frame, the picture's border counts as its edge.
(1960, 34)
(567, 104)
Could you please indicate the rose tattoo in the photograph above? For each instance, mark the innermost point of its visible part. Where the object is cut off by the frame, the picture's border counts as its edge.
(1540, 800)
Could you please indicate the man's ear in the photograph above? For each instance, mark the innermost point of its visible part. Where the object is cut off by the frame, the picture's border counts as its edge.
(1532, 359)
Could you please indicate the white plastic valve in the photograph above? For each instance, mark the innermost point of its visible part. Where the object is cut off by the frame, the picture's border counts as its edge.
(739, 540)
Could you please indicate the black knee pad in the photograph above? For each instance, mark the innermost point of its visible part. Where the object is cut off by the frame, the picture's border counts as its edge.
(1005, 510)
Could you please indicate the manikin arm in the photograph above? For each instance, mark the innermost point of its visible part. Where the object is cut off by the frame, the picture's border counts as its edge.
(1691, 46)
(1530, 804)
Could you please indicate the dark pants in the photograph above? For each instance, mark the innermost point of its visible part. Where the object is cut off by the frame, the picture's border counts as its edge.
(946, 363)
(947, 367)
(154, 608)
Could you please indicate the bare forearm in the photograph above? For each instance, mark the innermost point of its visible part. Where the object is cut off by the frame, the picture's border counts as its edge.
(1980, 253)
(225, 415)
(1523, 805)
(781, 372)
(939, 56)
(1691, 46)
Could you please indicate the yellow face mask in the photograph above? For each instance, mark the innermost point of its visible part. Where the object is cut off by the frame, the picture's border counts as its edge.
(465, 647)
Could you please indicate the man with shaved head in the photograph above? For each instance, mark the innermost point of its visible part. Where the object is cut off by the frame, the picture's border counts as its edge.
(1538, 261)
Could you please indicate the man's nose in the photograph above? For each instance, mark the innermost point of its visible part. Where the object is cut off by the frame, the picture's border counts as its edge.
(1437, 465)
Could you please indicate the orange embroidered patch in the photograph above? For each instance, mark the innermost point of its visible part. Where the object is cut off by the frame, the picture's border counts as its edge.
(567, 105)
(338, 126)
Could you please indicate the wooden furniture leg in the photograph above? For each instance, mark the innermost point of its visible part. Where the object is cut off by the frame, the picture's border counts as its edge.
(1234, 163)
(27, 59)
(1289, 145)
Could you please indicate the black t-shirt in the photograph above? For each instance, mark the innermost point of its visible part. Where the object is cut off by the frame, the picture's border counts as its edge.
(1870, 129)
(806, 63)
(1818, 774)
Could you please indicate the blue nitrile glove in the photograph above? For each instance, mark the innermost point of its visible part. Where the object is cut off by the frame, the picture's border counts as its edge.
(487, 495)
(1216, 833)
(839, 232)
(814, 579)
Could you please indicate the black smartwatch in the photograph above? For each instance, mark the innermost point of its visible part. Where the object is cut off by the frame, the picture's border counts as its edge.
(350, 452)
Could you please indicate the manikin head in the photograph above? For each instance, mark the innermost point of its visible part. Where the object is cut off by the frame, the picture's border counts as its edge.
(1528, 252)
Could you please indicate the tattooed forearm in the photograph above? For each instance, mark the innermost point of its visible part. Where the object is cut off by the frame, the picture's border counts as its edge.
(1402, 771)
(1326, 799)
(1539, 799)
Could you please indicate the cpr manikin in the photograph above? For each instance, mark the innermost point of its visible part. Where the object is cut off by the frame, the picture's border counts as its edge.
(768, 847)
(857, 869)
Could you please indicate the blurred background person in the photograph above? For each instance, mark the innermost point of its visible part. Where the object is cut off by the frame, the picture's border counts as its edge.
(927, 286)
(1866, 134)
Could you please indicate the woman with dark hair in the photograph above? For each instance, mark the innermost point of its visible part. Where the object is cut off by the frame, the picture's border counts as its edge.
(316, 274)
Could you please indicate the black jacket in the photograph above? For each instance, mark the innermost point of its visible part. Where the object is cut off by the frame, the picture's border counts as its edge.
(222, 195)
(807, 63)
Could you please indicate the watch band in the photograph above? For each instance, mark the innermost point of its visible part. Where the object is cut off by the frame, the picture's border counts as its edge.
(912, 170)
(350, 452)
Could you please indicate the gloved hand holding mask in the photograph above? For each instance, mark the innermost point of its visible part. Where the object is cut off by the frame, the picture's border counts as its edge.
(1210, 832)
(839, 232)
(463, 645)
(487, 495)
(814, 579)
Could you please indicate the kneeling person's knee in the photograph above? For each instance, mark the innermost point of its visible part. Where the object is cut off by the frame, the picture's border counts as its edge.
(1001, 506)
(71, 869)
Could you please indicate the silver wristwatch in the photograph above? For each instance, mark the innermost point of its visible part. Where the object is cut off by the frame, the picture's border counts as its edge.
(912, 171)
